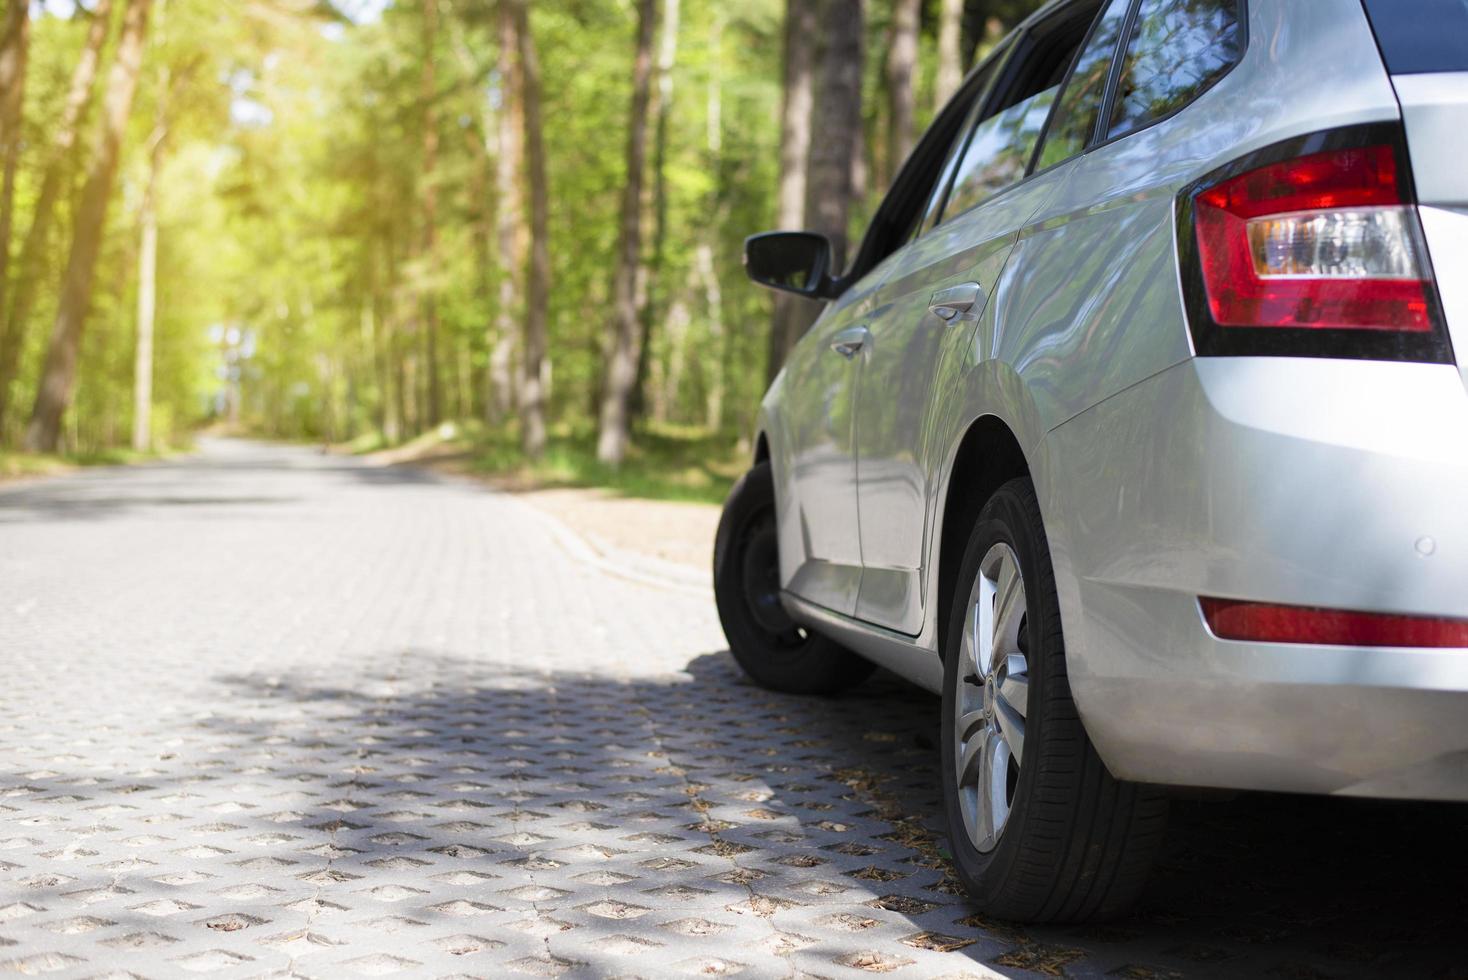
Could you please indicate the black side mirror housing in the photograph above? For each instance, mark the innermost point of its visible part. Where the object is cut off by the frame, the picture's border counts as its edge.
(793, 261)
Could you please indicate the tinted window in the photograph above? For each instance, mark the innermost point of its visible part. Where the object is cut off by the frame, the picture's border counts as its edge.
(1177, 49)
(1421, 35)
(999, 151)
(1075, 117)
(976, 92)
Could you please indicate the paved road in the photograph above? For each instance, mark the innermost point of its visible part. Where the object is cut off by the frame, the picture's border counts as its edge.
(264, 712)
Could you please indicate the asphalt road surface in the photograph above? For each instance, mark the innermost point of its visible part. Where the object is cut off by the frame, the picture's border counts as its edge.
(264, 712)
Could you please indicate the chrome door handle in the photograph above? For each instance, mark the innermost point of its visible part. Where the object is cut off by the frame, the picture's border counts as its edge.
(948, 303)
(849, 342)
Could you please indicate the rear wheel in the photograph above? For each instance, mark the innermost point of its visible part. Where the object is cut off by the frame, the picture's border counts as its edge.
(773, 650)
(1040, 830)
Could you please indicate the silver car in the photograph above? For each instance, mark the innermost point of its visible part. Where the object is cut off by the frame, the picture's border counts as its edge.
(1134, 429)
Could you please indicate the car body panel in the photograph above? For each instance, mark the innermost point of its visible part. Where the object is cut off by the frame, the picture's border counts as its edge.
(901, 383)
(820, 556)
(1433, 109)
(1255, 487)
(1163, 476)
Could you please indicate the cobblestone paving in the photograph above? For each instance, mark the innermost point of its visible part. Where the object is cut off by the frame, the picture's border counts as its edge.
(268, 713)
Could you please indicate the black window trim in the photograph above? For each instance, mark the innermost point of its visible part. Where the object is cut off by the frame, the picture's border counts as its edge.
(1023, 36)
(866, 258)
(1012, 49)
(1241, 6)
(1096, 18)
(999, 58)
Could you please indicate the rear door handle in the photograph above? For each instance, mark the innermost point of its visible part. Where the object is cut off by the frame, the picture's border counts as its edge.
(849, 342)
(948, 304)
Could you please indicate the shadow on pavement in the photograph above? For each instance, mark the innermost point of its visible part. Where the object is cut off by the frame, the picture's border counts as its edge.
(559, 820)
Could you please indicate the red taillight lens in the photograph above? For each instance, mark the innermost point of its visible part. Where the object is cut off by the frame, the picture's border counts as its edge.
(1323, 241)
(1264, 623)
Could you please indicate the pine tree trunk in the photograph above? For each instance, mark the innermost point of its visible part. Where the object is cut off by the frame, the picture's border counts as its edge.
(428, 175)
(703, 259)
(793, 315)
(30, 264)
(713, 297)
(836, 138)
(902, 55)
(509, 162)
(58, 377)
(15, 31)
(142, 440)
(621, 372)
(142, 435)
(15, 38)
(980, 27)
(537, 298)
(950, 68)
(656, 269)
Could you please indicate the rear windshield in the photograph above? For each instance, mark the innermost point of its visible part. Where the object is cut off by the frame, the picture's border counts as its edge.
(1419, 36)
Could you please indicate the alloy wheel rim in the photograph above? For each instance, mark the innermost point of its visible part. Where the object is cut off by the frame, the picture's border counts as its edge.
(992, 697)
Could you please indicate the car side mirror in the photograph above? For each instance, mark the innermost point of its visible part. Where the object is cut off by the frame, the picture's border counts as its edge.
(794, 261)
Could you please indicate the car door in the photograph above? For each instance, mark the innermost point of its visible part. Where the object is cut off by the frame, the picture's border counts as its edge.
(930, 303)
(819, 536)
(820, 550)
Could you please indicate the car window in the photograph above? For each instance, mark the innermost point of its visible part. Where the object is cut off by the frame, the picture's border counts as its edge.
(1074, 119)
(977, 92)
(1003, 144)
(1421, 35)
(999, 152)
(1176, 50)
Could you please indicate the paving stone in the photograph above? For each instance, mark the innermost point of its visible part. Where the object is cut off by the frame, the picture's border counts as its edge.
(269, 713)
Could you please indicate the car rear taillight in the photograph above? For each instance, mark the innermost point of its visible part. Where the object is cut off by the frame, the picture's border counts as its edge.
(1262, 622)
(1312, 247)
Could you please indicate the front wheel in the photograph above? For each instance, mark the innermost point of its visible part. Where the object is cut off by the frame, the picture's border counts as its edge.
(773, 650)
(1040, 830)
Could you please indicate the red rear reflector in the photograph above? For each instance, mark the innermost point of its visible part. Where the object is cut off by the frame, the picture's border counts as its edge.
(1230, 619)
(1324, 241)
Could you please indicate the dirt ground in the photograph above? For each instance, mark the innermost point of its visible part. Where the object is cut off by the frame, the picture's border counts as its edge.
(668, 530)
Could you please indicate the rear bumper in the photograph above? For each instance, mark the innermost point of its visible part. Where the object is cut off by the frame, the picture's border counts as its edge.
(1296, 481)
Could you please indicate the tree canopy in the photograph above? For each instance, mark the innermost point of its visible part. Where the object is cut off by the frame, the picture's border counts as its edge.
(343, 204)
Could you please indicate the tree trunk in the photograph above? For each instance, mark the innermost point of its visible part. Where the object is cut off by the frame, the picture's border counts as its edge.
(950, 37)
(510, 160)
(15, 37)
(902, 54)
(655, 272)
(611, 445)
(537, 298)
(58, 377)
(147, 292)
(982, 27)
(836, 136)
(30, 262)
(15, 31)
(713, 296)
(704, 264)
(428, 248)
(793, 315)
(142, 435)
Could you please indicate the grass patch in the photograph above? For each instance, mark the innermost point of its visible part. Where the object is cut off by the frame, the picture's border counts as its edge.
(14, 465)
(663, 463)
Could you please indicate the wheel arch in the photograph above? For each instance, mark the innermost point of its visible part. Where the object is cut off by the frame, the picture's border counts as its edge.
(989, 455)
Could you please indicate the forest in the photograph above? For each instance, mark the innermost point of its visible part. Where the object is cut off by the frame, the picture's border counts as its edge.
(360, 221)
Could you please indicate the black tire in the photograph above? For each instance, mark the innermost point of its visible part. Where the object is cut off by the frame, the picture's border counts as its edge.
(772, 649)
(1078, 844)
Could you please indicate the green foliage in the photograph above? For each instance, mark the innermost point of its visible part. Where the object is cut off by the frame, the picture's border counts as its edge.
(295, 278)
(666, 463)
